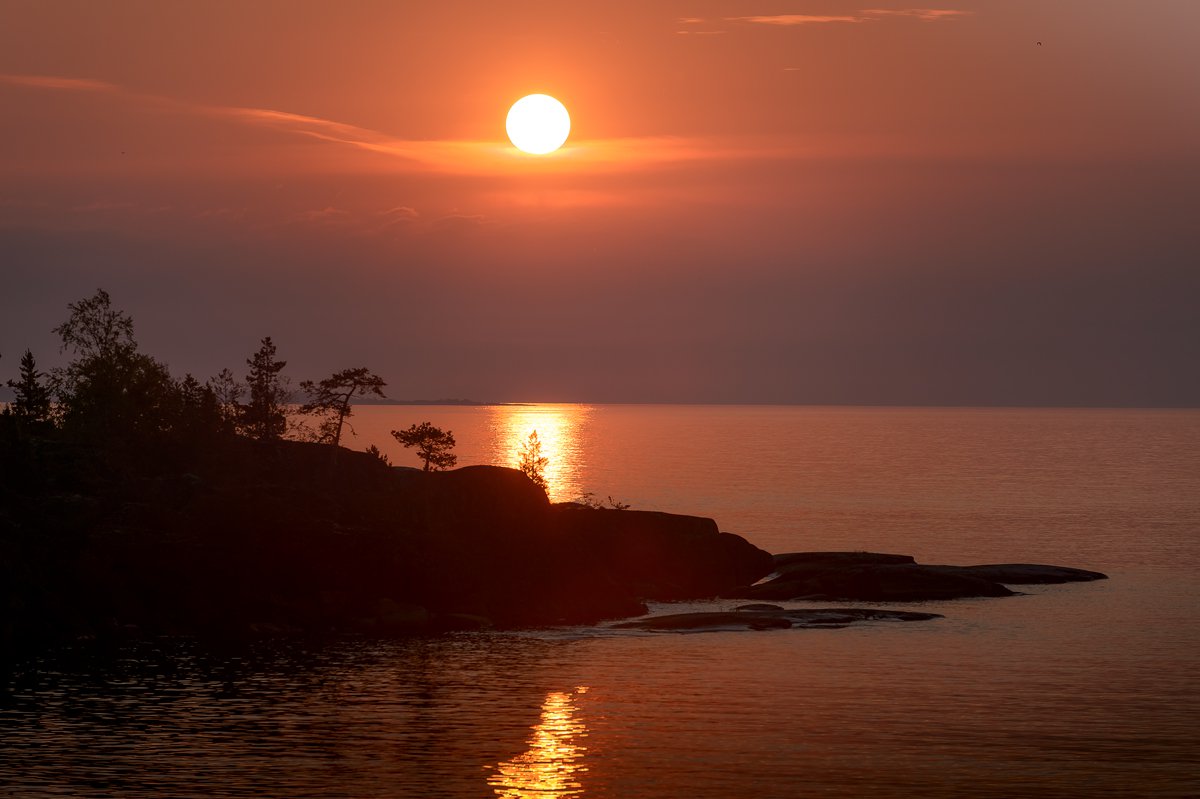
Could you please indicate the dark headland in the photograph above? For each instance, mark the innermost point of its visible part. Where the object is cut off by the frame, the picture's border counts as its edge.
(250, 538)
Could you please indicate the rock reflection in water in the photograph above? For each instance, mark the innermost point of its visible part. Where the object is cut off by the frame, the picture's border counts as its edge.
(552, 765)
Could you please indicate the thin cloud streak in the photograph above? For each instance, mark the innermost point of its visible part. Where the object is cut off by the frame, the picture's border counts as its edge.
(59, 84)
(866, 15)
(794, 19)
(923, 14)
(459, 157)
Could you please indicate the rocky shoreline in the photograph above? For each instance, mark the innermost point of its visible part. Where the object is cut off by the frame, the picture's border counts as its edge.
(856, 577)
(298, 539)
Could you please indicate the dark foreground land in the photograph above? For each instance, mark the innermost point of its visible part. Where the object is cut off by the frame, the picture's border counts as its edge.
(245, 538)
(248, 537)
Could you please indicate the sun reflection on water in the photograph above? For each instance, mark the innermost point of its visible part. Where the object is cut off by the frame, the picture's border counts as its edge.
(552, 765)
(560, 430)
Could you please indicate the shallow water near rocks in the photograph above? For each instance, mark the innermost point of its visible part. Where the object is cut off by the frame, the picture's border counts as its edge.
(1072, 690)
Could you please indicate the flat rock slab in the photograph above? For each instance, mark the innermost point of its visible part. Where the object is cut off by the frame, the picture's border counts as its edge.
(1027, 573)
(769, 619)
(903, 582)
(878, 577)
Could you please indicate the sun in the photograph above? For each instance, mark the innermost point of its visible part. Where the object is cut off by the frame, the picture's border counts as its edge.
(538, 124)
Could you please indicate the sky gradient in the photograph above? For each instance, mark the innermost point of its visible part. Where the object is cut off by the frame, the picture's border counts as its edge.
(813, 202)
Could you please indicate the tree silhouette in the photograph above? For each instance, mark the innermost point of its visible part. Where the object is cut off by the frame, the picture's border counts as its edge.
(32, 402)
(95, 330)
(199, 411)
(532, 462)
(433, 445)
(330, 399)
(264, 417)
(110, 390)
(228, 393)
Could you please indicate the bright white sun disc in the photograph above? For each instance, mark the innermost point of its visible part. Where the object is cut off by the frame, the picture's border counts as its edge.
(538, 124)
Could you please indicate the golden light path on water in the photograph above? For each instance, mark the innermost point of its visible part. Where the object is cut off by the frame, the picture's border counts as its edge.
(560, 430)
(552, 765)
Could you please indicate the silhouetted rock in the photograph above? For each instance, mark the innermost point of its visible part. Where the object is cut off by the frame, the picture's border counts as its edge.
(224, 536)
(799, 561)
(660, 556)
(873, 583)
(878, 577)
(1028, 573)
(769, 619)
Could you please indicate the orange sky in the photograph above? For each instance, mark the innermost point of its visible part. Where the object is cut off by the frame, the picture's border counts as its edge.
(759, 201)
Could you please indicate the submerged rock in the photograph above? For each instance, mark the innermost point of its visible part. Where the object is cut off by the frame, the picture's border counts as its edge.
(769, 619)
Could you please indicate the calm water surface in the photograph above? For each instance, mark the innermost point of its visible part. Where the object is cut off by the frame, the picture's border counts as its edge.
(1085, 690)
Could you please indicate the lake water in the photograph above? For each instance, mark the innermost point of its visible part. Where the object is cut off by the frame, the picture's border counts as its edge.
(1073, 691)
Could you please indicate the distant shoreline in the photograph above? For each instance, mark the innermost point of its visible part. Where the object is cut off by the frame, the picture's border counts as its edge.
(6, 396)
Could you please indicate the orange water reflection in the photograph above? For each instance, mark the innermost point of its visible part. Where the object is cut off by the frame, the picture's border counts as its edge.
(560, 430)
(554, 762)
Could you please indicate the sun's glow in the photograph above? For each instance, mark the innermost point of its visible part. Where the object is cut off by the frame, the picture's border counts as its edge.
(561, 429)
(538, 124)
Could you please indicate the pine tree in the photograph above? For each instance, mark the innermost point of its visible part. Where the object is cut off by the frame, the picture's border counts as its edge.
(433, 445)
(32, 403)
(265, 417)
(330, 399)
(532, 462)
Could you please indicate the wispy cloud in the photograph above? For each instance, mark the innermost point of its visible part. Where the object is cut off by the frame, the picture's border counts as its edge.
(400, 214)
(694, 31)
(325, 216)
(923, 14)
(59, 84)
(866, 15)
(794, 19)
(444, 156)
